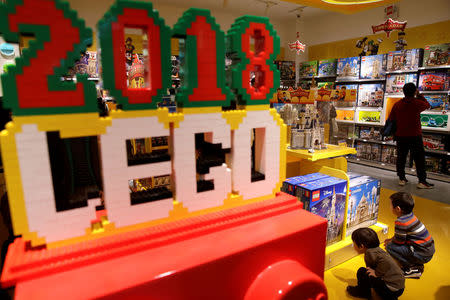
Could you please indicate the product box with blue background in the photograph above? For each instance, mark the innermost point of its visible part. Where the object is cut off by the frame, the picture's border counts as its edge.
(326, 198)
(289, 185)
(373, 66)
(363, 202)
(348, 68)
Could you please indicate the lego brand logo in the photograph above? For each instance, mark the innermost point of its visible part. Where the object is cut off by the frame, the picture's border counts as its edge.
(316, 195)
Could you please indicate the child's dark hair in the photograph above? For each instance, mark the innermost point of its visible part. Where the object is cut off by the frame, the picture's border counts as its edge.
(366, 237)
(409, 89)
(403, 200)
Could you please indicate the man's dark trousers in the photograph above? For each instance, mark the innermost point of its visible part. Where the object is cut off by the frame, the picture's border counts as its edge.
(415, 145)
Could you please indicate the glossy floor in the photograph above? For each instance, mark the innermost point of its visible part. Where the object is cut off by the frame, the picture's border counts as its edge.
(435, 282)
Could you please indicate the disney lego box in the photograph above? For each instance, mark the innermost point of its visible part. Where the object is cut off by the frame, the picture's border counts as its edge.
(289, 185)
(434, 81)
(434, 121)
(327, 67)
(308, 69)
(437, 102)
(371, 95)
(373, 66)
(395, 82)
(404, 60)
(436, 55)
(363, 202)
(348, 68)
(326, 198)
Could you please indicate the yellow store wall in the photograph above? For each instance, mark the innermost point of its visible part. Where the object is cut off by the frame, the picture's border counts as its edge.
(416, 37)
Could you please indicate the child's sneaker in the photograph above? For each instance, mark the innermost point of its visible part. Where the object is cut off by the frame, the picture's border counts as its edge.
(355, 291)
(413, 272)
(425, 185)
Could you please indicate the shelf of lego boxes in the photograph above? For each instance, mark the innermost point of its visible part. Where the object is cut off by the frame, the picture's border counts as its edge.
(330, 152)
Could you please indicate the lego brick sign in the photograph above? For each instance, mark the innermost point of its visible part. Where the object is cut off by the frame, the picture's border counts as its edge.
(46, 108)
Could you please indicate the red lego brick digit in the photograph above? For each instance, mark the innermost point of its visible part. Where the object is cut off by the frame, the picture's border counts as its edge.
(112, 40)
(34, 85)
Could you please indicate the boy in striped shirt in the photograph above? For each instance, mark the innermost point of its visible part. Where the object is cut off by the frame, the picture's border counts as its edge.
(412, 245)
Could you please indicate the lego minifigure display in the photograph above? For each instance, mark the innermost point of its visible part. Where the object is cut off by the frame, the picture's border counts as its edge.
(436, 55)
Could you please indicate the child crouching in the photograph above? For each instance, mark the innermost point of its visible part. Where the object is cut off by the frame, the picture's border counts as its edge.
(382, 273)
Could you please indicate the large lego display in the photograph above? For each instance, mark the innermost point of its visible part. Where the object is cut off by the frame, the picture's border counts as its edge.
(348, 68)
(436, 55)
(373, 66)
(124, 226)
(404, 60)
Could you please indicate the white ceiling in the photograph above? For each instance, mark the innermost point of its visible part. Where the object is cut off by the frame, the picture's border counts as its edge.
(253, 7)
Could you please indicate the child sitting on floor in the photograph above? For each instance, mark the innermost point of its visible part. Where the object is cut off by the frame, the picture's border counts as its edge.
(382, 273)
(412, 244)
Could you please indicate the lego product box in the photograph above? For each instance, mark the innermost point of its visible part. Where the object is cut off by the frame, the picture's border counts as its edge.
(289, 185)
(326, 198)
(436, 55)
(371, 95)
(287, 69)
(325, 85)
(433, 81)
(345, 115)
(433, 142)
(370, 133)
(389, 155)
(92, 67)
(373, 66)
(327, 67)
(348, 68)
(352, 175)
(363, 202)
(404, 60)
(308, 69)
(395, 82)
(343, 87)
(369, 116)
(434, 121)
(437, 102)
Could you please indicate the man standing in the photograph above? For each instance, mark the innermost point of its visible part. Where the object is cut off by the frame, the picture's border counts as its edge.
(408, 134)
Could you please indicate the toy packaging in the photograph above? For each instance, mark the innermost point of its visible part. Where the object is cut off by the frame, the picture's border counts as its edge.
(389, 155)
(395, 82)
(434, 121)
(433, 81)
(327, 67)
(437, 102)
(348, 68)
(92, 68)
(432, 164)
(345, 131)
(326, 197)
(436, 55)
(287, 69)
(433, 142)
(345, 115)
(371, 95)
(369, 116)
(308, 69)
(363, 202)
(342, 87)
(404, 60)
(290, 184)
(370, 133)
(325, 85)
(373, 66)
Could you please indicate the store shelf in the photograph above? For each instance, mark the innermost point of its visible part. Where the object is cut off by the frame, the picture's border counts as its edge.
(393, 96)
(434, 92)
(375, 142)
(325, 76)
(371, 80)
(330, 152)
(369, 108)
(435, 129)
(390, 167)
(441, 152)
(306, 77)
(347, 79)
(435, 68)
(370, 123)
(346, 121)
(401, 72)
(345, 108)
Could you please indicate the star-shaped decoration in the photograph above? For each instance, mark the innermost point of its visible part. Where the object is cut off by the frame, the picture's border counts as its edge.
(297, 46)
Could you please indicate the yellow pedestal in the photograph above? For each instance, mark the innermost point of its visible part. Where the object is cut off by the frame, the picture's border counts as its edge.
(339, 252)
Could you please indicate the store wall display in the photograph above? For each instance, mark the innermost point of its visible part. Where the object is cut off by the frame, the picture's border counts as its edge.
(404, 60)
(369, 116)
(438, 102)
(326, 197)
(371, 95)
(346, 87)
(363, 202)
(308, 69)
(348, 68)
(373, 67)
(433, 142)
(433, 120)
(436, 55)
(434, 81)
(395, 82)
(327, 67)
(370, 133)
(130, 230)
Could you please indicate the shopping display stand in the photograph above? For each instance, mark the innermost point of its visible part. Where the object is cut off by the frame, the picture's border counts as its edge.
(332, 162)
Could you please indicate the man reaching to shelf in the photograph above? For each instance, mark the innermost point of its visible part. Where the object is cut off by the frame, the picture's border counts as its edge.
(408, 133)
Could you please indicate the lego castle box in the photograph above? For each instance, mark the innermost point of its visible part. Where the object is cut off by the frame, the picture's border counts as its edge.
(327, 67)
(438, 102)
(363, 202)
(395, 82)
(308, 69)
(326, 198)
(373, 66)
(371, 95)
(434, 81)
(436, 55)
(404, 60)
(348, 68)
